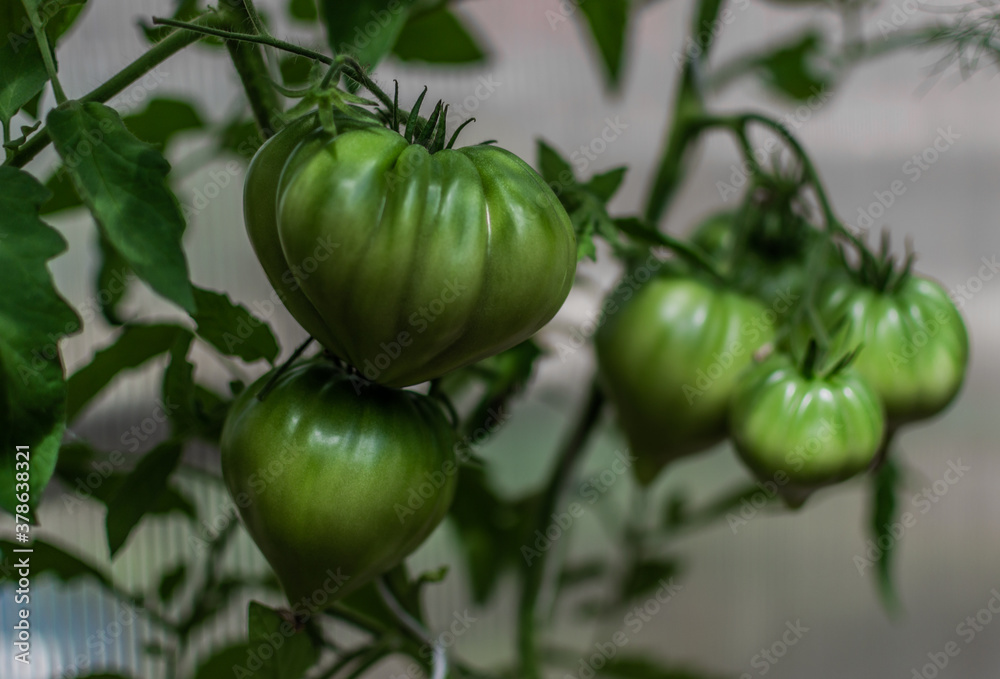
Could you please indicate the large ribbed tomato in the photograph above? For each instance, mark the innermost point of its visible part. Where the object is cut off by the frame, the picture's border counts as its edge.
(410, 263)
(336, 486)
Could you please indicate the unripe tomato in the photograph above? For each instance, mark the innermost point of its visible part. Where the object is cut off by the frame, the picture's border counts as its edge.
(334, 482)
(916, 347)
(815, 430)
(414, 264)
(669, 355)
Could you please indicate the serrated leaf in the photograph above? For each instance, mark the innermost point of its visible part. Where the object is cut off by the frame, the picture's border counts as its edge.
(170, 581)
(793, 70)
(47, 558)
(232, 329)
(292, 657)
(366, 29)
(135, 345)
(438, 37)
(303, 10)
(607, 21)
(123, 181)
(33, 318)
(140, 492)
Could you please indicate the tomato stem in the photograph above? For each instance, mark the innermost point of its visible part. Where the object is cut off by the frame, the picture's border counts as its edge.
(266, 389)
(534, 575)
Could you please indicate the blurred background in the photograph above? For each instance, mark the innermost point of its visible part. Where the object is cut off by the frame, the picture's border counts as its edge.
(740, 585)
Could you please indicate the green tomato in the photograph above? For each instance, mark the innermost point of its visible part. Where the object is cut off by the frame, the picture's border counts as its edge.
(669, 355)
(413, 264)
(333, 481)
(915, 347)
(803, 432)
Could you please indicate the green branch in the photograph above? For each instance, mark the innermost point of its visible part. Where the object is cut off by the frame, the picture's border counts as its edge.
(249, 63)
(38, 27)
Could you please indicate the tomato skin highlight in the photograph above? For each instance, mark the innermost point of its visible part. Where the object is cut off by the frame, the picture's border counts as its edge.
(816, 430)
(915, 345)
(408, 264)
(670, 357)
(330, 480)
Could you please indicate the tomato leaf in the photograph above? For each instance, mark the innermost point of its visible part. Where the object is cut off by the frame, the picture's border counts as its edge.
(222, 664)
(292, 656)
(607, 22)
(794, 69)
(113, 279)
(303, 10)
(33, 318)
(135, 345)
(886, 484)
(140, 492)
(47, 558)
(170, 581)
(232, 329)
(366, 29)
(437, 36)
(23, 74)
(123, 182)
(162, 119)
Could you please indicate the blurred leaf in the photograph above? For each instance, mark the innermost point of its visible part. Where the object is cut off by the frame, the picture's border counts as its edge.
(607, 21)
(886, 484)
(33, 318)
(604, 186)
(295, 70)
(292, 656)
(437, 36)
(793, 70)
(135, 345)
(162, 119)
(553, 168)
(64, 195)
(47, 558)
(170, 581)
(223, 662)
(647, 575)
(141, 491)
(241, 138)
(303, 10)
(123, 182)
(366, 29)
(232, 329)
(580, 573)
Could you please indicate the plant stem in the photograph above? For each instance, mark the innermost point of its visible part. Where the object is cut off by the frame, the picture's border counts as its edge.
(534, 576)
(156, 55)
(412, 626)
(262, 394)
(38, 27)
(249, 63)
